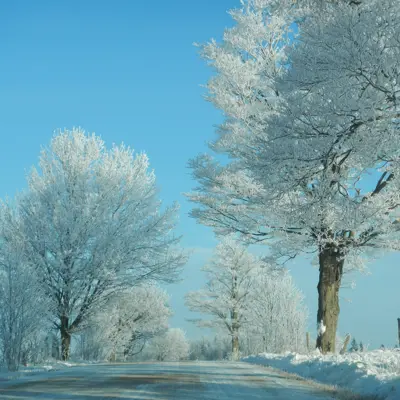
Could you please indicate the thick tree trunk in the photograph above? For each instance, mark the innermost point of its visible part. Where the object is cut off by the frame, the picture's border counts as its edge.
(65, 338)
(11, 358)
(330, 276)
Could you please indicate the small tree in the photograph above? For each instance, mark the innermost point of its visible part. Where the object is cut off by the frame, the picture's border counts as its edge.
(246, 297)
(226, 297)
(361, 347)
(277, 315)
(171, 346)
(354, 345)
(91, 226)
(131, 318)
(217, 348)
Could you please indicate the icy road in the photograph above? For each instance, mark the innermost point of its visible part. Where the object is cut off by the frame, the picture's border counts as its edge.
(188, 381)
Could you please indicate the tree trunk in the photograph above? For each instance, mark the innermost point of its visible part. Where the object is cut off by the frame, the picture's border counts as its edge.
(65, 338)
(235, 334)
(330, 276)
(345, 344)
(235, 320)
(398, 328)
(55, 347)
(113, 357)
(11, 358)
(235, 347)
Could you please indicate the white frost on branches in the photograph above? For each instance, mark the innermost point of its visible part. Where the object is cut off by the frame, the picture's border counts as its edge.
(248, 298)
(131, 318)
(311, 128)
(231, 275)
(91, 226)
(278, 316)
(23, 304)
(171, 346)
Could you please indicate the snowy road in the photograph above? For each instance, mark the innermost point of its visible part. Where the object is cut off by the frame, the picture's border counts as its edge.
(144, 381)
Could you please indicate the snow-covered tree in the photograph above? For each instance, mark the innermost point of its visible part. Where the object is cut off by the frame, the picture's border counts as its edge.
(89, 346)
(226, 298)
(22, 303)
(251, 301)
(311, 129)
(170, 346)
(218, 347)
(277, 316)
(92, 226)
(130, 319)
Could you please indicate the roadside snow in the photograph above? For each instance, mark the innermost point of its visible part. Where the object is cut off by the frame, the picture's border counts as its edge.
(36, 371)
(374, 372)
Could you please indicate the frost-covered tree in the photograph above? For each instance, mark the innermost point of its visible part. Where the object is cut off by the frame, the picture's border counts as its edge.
(170, 346)
(226, 297)
(89, 346)
(311, 129)
(217, 348)
(91, 225)
(22, 303)
(130, 319)
(257, 305)
(277, 316)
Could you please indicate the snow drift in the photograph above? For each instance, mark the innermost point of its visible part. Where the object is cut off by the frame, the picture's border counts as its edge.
(374, 372)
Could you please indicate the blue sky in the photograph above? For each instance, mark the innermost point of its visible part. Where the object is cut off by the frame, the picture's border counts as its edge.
(127, 70)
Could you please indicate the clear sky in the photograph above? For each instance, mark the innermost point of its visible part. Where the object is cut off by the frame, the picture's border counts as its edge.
(128, 71)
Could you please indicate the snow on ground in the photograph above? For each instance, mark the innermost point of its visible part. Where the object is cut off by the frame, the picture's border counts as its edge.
(36, 371)
(164, 381)
(373, 372)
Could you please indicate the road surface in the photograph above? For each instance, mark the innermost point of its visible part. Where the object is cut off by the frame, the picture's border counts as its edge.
(162, 381)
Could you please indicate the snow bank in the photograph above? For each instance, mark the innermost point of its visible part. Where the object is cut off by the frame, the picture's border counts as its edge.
(374, 372)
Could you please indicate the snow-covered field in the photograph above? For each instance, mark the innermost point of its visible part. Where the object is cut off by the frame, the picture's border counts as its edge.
(374, 372)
